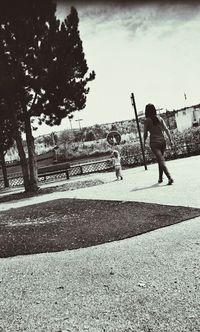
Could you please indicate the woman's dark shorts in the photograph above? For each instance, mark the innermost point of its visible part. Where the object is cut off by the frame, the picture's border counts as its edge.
(155, 146)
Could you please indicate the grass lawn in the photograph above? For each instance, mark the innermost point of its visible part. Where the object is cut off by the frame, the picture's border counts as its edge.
(72, 223)
(41, 191)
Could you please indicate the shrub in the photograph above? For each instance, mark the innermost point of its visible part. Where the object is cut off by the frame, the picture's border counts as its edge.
(186, 143)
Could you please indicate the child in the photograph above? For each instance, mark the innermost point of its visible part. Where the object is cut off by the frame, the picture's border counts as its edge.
(116, 159)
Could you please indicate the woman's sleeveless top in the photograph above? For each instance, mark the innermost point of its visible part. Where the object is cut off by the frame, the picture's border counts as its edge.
(156, 131)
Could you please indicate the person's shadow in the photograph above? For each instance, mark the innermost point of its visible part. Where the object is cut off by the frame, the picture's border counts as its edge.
(156, 185)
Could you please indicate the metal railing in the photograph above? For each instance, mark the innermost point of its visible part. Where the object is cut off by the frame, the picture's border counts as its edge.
(85, 168)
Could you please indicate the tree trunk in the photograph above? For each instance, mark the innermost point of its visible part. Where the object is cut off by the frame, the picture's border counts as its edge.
(31, 156)
(4, 170)
(22, 155)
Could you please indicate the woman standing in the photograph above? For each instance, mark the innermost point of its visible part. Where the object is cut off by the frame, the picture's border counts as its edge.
(156, 126)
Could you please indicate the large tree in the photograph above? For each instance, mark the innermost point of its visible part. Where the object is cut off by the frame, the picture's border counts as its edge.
(6, 141)
(11, 92)
(46, 71)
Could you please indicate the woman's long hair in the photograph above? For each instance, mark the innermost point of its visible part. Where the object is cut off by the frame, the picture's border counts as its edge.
(150, 112)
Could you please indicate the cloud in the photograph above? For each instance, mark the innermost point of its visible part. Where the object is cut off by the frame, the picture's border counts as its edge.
(137, 18)
(158, 20)
(150, 49)
(129, 2)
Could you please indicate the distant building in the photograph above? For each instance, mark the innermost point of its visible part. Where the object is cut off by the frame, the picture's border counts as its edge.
(182, 118)
(187, 117)
(170, 119)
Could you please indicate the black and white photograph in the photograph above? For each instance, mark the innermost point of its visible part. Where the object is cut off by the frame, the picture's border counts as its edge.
(99, 166)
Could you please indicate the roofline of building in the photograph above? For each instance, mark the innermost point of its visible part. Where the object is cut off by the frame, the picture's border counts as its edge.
(186, 107)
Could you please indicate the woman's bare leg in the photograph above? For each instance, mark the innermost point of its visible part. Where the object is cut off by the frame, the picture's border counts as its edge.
(160, 170)
(161, 162)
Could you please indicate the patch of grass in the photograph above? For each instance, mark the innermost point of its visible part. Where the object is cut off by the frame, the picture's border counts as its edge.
(48, 190)
(73, 223)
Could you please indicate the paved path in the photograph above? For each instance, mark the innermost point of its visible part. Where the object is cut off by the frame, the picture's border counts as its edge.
(148, 283)
(138, 185)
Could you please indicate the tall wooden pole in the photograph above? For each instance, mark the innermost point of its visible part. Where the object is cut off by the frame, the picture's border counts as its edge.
(138, 127)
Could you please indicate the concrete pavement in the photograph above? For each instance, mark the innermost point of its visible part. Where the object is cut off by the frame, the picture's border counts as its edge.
(138, 185)
(147, 283)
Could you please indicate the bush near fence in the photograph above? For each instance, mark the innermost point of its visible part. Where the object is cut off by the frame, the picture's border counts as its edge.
(186, 144)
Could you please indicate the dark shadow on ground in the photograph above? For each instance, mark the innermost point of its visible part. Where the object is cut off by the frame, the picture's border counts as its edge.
(156, 185)
(73, 223)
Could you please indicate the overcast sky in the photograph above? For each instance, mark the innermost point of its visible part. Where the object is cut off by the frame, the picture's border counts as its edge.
(150, 49)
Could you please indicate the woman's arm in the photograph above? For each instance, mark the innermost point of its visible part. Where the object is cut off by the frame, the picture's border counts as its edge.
(145, 135)
(166, 130)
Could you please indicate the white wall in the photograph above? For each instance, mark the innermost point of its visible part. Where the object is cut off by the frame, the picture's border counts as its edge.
(185, 117)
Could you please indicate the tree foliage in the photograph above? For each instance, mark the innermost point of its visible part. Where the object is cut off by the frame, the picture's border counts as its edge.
(43, 67)
(6, 141)
(66, 137)
(6, 135)
(90, 135)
